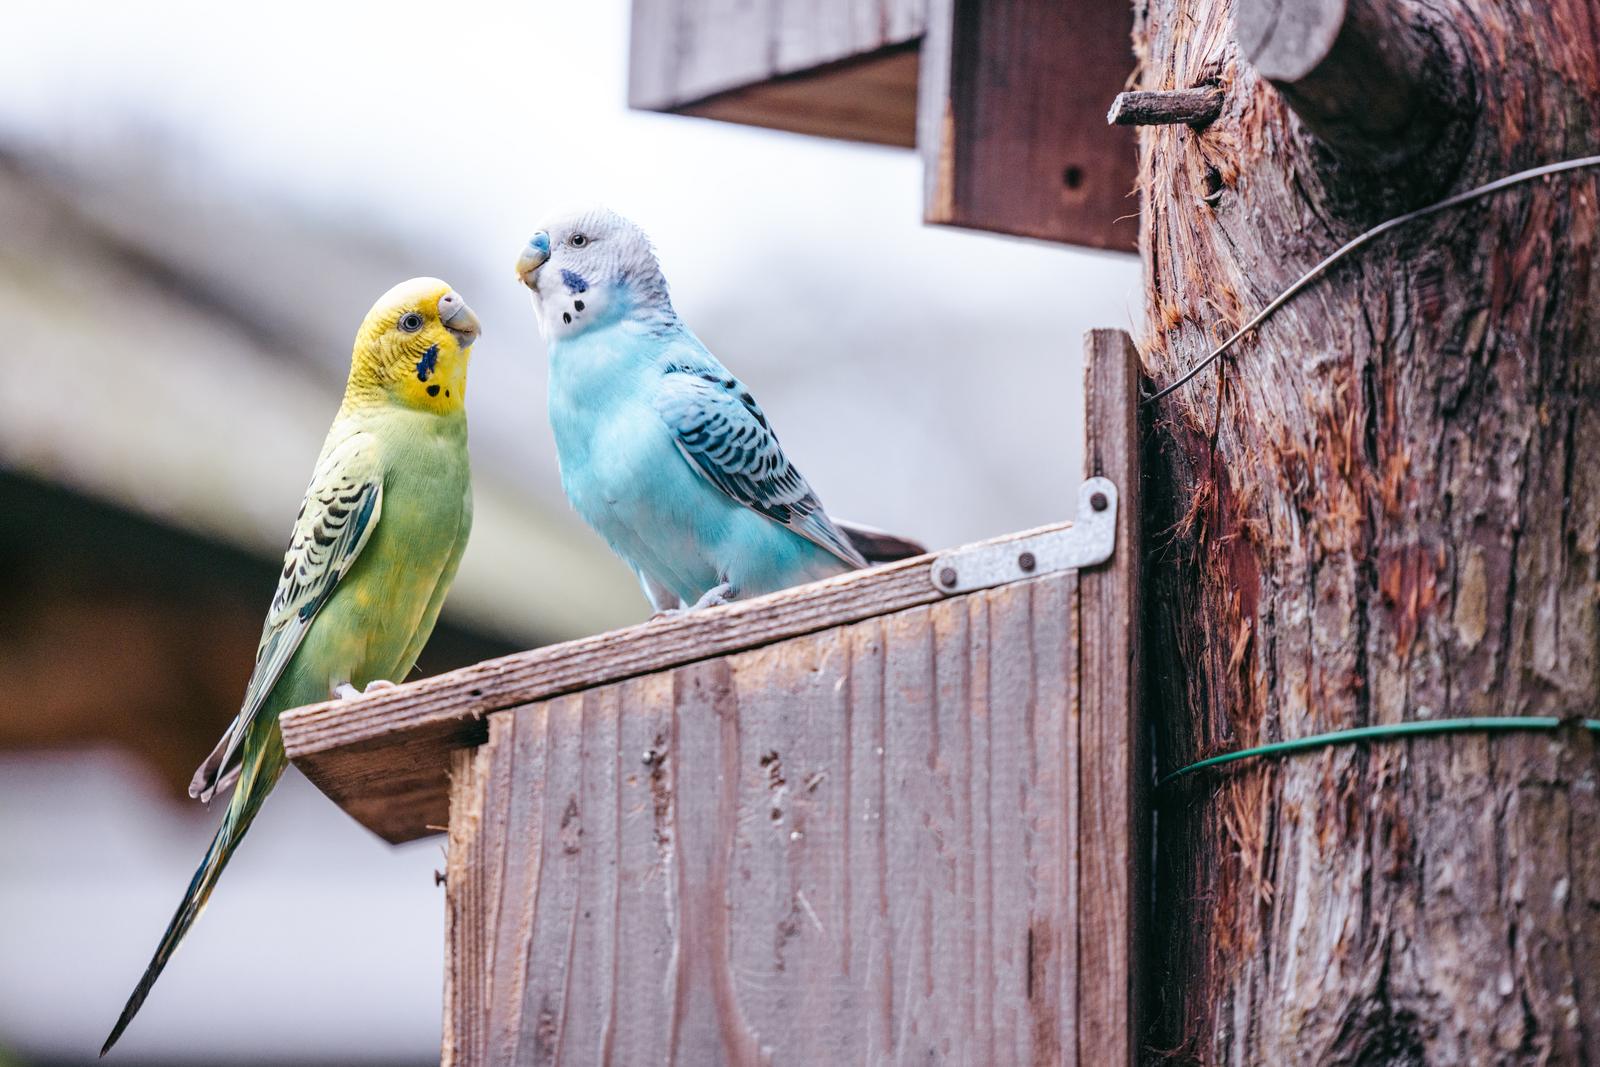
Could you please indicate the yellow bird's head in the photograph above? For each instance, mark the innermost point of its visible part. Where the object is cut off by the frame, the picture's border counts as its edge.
(413, 347)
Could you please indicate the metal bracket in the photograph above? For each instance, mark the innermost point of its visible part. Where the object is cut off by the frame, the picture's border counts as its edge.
(1089, 540)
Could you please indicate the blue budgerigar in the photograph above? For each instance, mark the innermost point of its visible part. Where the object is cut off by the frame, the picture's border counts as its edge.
(663, 451)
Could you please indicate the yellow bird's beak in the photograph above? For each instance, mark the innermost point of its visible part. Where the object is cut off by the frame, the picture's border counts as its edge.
(534, 255)
(456, 317)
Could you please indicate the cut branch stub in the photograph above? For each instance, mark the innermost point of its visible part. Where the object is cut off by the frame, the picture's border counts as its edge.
(1166, 107)
(1377, 88)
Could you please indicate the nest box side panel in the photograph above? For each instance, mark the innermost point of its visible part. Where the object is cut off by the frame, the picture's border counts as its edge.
(854, 845)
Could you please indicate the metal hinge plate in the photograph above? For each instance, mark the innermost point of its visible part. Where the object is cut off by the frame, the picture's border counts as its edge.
(1089, 540)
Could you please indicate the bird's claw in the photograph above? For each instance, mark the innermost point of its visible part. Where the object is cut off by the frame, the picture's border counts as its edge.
(716, 597)
(346, 691)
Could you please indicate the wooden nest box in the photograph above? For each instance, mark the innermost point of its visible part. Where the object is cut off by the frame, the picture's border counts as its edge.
(888, 818)
(1004, 100)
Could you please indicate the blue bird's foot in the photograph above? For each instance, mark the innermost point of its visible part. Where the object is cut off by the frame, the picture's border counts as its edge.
(716, 596)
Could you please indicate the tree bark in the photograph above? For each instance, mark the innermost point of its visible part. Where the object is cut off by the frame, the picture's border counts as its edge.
(1383, 506)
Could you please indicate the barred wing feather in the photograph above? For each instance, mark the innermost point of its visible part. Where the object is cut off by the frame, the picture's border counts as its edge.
(721, 430)
(338, 515)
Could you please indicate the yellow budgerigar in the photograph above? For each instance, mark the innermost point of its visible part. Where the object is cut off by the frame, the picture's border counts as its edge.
(373, 552)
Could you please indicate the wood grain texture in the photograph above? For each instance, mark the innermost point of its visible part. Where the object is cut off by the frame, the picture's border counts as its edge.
(1112, 733)
(384, 757)
(839, 68)
(1012, 119)
(870, 98)
(469, 875)
(1379, 82)
(917, 837)
(1383, 507)
(852, 846)
(1171, 107)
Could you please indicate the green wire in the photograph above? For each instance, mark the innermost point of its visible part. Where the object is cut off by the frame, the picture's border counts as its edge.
(1487, 724)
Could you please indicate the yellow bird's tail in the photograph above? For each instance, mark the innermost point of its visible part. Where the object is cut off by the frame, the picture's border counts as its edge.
(258, 777)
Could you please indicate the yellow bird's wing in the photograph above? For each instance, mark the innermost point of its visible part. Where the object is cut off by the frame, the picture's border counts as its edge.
(339, 513)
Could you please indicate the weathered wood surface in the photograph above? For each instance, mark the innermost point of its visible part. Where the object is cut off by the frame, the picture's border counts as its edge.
(384, 757)
(1011, 119)
(916, 838)
(856, 846)
(1169, 107)
(1383, 507)
(838, 68)
(1112, 735)
(871, 99)
(1378, 82)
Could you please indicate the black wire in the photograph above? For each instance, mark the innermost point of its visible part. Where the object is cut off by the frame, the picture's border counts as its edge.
(1356, 242)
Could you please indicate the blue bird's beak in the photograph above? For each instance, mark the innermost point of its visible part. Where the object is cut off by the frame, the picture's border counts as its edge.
(534, 255)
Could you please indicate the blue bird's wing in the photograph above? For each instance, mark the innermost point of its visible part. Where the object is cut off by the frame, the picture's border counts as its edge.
(720, 429)
(338, 515)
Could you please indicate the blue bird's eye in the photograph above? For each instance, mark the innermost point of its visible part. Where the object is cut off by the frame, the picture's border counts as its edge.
(411, 322)
(577, 240)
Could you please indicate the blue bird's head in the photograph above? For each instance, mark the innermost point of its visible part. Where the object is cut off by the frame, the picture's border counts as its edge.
(592, 268)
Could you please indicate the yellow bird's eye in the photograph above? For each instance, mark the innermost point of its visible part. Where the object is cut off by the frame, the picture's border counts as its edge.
(577, 240)
(411, 322)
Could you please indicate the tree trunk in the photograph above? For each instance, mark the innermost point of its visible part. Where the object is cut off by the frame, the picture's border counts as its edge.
(1382, 506)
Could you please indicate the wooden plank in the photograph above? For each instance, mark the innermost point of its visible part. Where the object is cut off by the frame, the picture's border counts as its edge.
(644, 946)
(1052, 948)
(1011, 119)
(789, 937)
(464, 921)
(838, 68)
(384, 756)
(865, 924)
(590, 832)
(870, 98)
(478, 816)
(1114, 768)
(850, 846)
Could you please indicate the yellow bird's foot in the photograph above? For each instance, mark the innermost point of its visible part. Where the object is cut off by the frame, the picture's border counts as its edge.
(346, 691)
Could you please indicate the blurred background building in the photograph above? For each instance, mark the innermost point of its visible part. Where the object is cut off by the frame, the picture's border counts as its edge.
(197, 206)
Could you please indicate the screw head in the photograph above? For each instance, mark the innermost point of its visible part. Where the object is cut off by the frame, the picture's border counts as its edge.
(1098, 501)
(947, 577)
(1027, 562)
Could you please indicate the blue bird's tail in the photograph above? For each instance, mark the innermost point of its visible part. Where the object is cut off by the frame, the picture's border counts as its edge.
(878, 546)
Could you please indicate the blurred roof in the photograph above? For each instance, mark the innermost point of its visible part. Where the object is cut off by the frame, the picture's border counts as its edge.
(182, 356)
